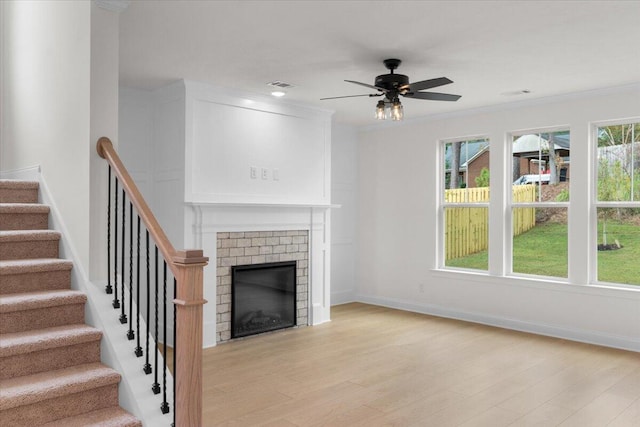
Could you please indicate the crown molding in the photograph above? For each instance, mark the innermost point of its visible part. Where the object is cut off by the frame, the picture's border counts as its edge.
(117, 6)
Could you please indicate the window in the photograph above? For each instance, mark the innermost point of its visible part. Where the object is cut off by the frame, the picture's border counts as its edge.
(465, 204)
(539, 203)
(618, 203)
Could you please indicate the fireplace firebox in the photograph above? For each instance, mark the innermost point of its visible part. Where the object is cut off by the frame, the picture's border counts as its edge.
(263, 298)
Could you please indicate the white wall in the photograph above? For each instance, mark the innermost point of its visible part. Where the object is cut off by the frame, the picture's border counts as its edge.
(151, 134)
(398, 238)
(344, 172)
(46, 103)
(104, 122)
(135, 135)
(228, 133)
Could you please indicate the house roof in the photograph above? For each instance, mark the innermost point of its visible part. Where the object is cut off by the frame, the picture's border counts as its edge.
(533, 143)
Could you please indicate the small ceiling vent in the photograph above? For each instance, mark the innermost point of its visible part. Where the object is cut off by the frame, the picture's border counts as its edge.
(280, 84)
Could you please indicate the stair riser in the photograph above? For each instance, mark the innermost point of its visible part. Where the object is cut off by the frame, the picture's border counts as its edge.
(29, 249)
(32, 282)
(19, 195)
(49, 359)
(61, 407)
(24, 221)
(46, 317)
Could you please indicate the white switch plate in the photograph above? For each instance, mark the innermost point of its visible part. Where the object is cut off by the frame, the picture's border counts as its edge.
(253, 172)
(265, 173)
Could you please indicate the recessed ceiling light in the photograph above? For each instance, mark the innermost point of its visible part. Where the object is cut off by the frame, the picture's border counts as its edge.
(278, 93)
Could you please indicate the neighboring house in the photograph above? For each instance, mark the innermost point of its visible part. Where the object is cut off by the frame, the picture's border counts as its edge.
(531, 155)
(473, 167)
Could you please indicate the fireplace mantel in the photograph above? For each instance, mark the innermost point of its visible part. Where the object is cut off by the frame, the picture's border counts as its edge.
(206, 219)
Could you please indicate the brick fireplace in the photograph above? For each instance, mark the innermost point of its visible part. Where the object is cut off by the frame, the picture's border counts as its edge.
(259, 247)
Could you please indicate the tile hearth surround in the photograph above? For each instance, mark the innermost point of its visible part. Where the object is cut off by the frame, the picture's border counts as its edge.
(258, 247)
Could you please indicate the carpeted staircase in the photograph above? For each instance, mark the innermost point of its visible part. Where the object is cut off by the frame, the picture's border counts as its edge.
(50, 370)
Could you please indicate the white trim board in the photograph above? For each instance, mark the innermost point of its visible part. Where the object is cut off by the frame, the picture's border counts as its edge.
(585, 336)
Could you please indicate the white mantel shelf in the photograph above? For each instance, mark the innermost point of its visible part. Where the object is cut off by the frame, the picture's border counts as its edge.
(263, 205)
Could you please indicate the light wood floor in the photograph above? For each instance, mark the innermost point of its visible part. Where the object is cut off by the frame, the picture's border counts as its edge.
(373, 366)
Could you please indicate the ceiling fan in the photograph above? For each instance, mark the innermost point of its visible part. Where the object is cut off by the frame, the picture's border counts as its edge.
(392, 86)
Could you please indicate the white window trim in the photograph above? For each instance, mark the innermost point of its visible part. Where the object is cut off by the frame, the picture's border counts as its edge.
(594, 204)
(510, 205)
(442, 205)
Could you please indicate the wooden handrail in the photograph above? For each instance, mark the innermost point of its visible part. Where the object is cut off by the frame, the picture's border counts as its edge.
(107, 152)
(187, 267)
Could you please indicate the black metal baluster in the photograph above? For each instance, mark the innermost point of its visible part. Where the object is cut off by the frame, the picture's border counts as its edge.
(109, 288)
(147, 365)
(123, 317)
(156, 387)
(165, 406)
(130, 334)
(138, 350)
(116, 302)
(175, 350)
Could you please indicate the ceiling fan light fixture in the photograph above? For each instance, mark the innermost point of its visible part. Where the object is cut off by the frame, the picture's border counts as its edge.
(380, 110)
(278, 93)
(391, 86)
(397, 112)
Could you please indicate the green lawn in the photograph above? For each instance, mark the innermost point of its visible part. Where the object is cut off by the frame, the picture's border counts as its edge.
(543, 251)
(623, 265)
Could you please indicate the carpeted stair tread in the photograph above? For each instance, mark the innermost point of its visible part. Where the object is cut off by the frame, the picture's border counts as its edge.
(37, 265)
(44, 339)
(29, 244)
(19, 184)
(24, 216)
(16, 191)
(7, 236)
(35, 388)
(34, 275)
(33, 300)
(107, 417)
(23, 208)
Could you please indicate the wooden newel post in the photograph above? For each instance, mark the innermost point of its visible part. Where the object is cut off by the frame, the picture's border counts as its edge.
(189, 301)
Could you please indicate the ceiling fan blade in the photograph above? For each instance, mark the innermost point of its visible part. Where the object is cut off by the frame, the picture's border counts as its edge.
(428, 84)
(433, 96)
(367, 85)
(352, 96)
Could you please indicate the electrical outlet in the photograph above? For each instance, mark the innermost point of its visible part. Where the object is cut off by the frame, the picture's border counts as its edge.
(253, 172)
(276, 174)
(265, 173)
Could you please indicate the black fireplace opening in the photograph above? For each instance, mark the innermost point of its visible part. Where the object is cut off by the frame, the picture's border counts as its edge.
(263, 298)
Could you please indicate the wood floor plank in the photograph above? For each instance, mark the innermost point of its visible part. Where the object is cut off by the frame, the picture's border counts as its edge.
(373, 366)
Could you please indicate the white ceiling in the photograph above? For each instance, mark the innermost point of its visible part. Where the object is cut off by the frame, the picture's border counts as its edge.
(490, 49)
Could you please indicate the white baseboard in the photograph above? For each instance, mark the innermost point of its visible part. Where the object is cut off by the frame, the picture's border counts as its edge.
(589, 337)
(343, 297)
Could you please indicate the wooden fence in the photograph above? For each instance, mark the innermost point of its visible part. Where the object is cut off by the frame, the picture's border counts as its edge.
(467, 228)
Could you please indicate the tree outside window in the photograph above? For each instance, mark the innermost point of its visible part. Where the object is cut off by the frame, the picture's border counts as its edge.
(618, 203)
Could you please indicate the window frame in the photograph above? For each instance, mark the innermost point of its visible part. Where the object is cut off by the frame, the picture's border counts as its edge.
(443, 204)
(594, 203)
(511, 205)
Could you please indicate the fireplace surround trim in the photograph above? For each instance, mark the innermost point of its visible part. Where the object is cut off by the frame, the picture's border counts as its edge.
(259, 247)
